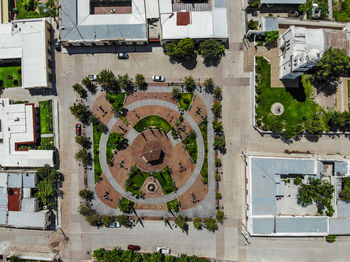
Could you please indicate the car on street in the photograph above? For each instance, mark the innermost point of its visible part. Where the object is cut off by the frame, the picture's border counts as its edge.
(163, 250)
(158, 78)
(123, 56)
(78, 129)
(57, 45)
(92, 77)
(134, 247)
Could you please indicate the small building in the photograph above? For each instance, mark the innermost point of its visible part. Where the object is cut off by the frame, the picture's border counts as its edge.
(92, 22)
(34, 220)
(302, 48)
(17, 128)
(26, 43)
(199, 21)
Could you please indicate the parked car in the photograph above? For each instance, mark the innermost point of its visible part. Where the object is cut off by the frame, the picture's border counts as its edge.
(117, 225)
(57, 45)
(93, 77)
(123, 56)
(78, 129)
(134, 247)
(163, 250)
(158, 78)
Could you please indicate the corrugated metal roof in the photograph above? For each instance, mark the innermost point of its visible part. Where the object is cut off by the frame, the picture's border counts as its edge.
(271, 24)
(14, 180)
(29, 180)
(3, 197)
(220, 3)
(3, 216)
(27, 219)
(3, 179)
(263, 225)
(152, 9)
(341, 167)
(343, 209)
(301, 224)
(339, 226)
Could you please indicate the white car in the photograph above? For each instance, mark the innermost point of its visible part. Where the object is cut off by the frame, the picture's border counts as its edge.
(92, 77)
(163, 250)
(158, 78)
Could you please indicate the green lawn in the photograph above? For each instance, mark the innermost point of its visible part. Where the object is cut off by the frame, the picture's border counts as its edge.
(204, 130)
(153, 121)
(96, 136)
(185, 100)
(14, 72)
(116, 100)
(114, 139)
(47, 143)
(36, 11)
(46, 120)
(298, 103)
(190, 143)
(137, 177)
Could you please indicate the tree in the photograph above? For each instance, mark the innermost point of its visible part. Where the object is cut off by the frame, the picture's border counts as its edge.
(126, 83)
(86, 210)
(292, 131)
(94, 220)
(190, 84)
(332, 65)
(271, 36)
(209, 85)
(170, 50)
(211, 49)
(140, 81)
(107, 220)
(156, 257)
(98, 254)
(176, 94)
(218, 162)
(315, 126)
(197, 223)
(126, 205)
(218, 93)
(218, 195)
(180, 221)
(83, 141)
(218, 128)
(220, 216)
(253, 25)
(84, 157)
(90, 86)
(185, 49)
(217, 109)
(298, 181)
(80, 90)
(331, 238)
(108, 81)
(81, 112)
(124, 221)
(210, 224)
(86, 194)
(219, 143)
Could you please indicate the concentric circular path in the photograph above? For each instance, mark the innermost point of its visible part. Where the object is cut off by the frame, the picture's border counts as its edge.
(181, 190)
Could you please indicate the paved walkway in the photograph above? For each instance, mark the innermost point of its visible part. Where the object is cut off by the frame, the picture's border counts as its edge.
(132, 135)
(173, 195)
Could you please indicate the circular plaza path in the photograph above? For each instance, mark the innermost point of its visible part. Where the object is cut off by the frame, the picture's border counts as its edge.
(181, 190)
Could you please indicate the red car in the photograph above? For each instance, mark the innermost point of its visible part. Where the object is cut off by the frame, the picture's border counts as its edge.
(134, 247)
(78, 129)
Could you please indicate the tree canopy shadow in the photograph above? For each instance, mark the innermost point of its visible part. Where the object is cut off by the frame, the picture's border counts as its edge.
(328, 87)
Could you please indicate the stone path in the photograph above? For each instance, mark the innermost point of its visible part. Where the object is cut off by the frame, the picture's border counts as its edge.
(173, 195)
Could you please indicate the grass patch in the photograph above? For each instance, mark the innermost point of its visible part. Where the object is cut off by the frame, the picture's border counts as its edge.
(137, 177)
(15, 76)
(116, 100)
(190, 143)
(96, 137)
(204, 130)
(298, 103)
(185, 100)
(46, 123)
(113, 142)
(35, 10)
(46, 143)
(152, 121)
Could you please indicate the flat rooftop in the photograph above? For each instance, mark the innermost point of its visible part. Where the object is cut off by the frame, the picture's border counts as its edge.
(26, 40)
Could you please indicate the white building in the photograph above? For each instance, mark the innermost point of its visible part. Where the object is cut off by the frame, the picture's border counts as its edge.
(26, 43)
(197, 21)
(303, 47)
(18, 126)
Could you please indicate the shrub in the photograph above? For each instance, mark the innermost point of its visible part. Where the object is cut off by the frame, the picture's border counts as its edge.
(220, 216)
(218, 162)
(180, 221)
(298, 181)
(210, 224)
(86, 194)
(218, 196)
(271, 36)
(197, 223)
(217, 109)
(217, 177)
(126, 205)
(331, 238)
(107, 220)
(253, 25)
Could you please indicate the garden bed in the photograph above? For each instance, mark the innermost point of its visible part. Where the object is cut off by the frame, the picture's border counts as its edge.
(137, 177)
(116, 100)
(46, 119)
(190, 143)
(298, 103)
(47, 143)
(153, 121)
(14, 72)
(204, 130)
(113, 142)
(96, 137)
(185, 100)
